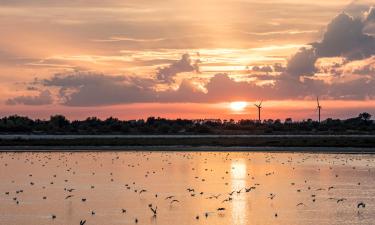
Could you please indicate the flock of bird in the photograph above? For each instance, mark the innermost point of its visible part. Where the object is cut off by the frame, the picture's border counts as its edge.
(200, 184)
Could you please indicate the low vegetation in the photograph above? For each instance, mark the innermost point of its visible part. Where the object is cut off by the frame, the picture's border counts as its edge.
(58, 124)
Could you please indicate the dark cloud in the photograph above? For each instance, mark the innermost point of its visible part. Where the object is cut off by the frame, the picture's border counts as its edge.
(345, 37)
(302, 63)
(185, 64)
(44, 98)
(87, 89)
(277, 67)
(100, 89)
(78, 79)
(358, 89)
(357, 7)
(266, 69)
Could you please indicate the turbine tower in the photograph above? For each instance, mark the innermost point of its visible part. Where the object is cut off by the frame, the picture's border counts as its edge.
(259, 106)
(319, 108)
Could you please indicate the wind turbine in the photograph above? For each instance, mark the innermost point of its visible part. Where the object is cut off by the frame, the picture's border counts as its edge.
(259, 106)
(319, 107)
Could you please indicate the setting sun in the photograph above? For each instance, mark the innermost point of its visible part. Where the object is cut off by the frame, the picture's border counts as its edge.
(238, 106)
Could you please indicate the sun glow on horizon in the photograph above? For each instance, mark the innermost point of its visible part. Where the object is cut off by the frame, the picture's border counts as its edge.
(238, 106)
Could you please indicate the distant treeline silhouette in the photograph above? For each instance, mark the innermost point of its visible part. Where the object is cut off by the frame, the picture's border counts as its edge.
(59, 124)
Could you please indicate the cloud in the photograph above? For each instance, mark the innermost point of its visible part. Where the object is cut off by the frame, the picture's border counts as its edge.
(366, 69)
(358, 89)
(266, 69)
(344, 37)
(302, 78)
(277, 67)
(370, 15)
(44, 98)
(185, 64)
(77, 79)
(302, 63)
(88, 89)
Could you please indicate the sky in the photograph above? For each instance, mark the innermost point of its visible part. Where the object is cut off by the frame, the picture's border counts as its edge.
(187, 59)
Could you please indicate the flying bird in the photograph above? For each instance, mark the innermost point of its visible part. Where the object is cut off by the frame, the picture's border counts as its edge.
(69, 196)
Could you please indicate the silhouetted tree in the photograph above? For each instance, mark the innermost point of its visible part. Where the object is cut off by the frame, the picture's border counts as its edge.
(92, 125)
(365, 116)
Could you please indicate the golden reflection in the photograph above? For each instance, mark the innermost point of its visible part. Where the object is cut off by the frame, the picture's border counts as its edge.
(239, 204)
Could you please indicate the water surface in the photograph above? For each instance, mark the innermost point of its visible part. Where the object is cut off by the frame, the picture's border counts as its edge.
(282, 188)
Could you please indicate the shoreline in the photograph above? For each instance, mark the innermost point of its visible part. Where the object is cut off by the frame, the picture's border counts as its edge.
(172, 136)
(251, 143)
(287, 141)
(184, 148)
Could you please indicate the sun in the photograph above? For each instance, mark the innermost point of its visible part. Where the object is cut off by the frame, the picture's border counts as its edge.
(238, 106)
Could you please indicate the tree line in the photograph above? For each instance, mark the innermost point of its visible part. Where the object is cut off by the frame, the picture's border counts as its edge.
(59, 124)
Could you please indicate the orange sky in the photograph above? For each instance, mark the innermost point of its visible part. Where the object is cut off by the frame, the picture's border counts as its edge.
(298, 110)
(183, 59)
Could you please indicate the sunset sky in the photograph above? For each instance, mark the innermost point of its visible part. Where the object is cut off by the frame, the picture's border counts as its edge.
(187, 59)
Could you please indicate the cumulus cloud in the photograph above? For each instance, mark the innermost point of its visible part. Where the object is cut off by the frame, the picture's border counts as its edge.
(302, 63)
(185, 64)
(87, 89)
(345, 37)
(44, 98)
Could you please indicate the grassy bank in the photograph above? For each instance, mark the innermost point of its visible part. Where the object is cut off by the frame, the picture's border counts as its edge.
(274, 141)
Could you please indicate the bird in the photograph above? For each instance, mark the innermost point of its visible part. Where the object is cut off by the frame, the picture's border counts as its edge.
(174, 200)
(249, 189)
(272, 196)
(341, 200)
(153, 210)
(69, 196)
(169, 197)
(227, 200)
(361, 204)
(216, 196)
(82, 222)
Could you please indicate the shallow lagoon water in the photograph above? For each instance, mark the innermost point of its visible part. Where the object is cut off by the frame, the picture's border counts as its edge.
(287, 188)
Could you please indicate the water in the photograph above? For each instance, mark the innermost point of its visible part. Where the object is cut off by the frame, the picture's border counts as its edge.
(103, 178)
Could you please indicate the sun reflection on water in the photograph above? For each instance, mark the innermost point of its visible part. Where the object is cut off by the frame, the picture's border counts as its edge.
(239, 204)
